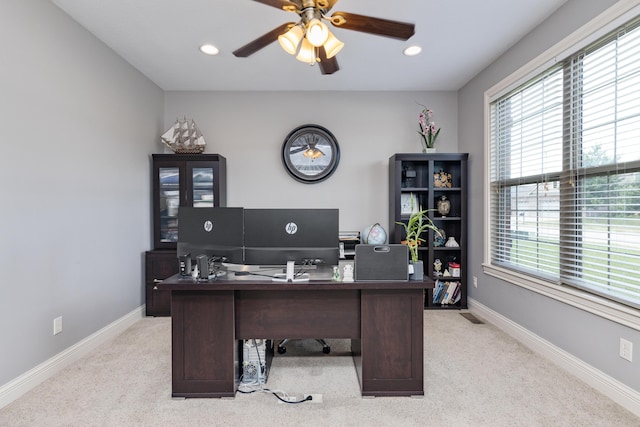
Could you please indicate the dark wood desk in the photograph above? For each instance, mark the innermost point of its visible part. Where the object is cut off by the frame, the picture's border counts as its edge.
(383, 320)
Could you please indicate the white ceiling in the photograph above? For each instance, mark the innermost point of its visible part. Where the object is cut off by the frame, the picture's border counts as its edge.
(161, 38)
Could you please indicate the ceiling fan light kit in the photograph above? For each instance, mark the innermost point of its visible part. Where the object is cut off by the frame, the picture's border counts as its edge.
(332, 46)
(310, 37)
(290, 40)
(317, 32)
(307, 52)
(313, 33)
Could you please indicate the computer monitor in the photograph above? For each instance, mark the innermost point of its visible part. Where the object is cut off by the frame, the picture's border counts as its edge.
(278, 236)
(215, 232)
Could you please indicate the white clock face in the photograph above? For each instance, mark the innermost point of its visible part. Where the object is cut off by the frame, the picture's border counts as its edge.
(310, 153)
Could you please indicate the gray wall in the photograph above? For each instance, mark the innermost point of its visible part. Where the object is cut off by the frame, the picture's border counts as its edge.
(78, 126)
(588, 337)
(249, 129)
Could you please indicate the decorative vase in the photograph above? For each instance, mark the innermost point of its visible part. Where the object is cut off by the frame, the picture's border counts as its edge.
(444, 205)
(409, 177)
(451, 243)
(429, 150)
(418, 271)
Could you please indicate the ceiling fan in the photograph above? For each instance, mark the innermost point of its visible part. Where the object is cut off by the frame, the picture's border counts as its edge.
(310, 37)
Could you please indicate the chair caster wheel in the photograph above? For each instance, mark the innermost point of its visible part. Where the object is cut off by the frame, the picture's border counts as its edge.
(282, 350)
(326, 350)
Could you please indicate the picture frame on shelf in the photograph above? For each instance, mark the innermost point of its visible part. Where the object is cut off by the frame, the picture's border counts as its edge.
(406, 205)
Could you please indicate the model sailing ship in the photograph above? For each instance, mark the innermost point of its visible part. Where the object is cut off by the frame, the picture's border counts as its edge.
(184, 137)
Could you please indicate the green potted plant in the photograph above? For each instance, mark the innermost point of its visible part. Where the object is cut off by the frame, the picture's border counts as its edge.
(417, 224)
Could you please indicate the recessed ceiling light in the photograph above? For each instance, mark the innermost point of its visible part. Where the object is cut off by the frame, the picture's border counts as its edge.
(412, 50)
(209, 49)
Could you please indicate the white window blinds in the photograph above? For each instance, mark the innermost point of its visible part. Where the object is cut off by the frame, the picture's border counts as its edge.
(565, 171)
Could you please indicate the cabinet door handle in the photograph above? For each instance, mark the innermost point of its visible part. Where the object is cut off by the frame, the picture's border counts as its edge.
(157, 280)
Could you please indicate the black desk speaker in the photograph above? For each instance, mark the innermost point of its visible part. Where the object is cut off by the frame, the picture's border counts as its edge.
(382, 262)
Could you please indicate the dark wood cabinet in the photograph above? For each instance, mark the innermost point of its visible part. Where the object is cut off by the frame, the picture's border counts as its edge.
(197, 180)
(428, 179)
(160, 264)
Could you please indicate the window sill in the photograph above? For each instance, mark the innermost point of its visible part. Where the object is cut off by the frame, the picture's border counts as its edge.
(594, 304)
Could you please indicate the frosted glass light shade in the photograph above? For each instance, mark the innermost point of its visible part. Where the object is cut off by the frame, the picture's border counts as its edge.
(332, 46)
(307, 52)
(317, 32)
(290, 40)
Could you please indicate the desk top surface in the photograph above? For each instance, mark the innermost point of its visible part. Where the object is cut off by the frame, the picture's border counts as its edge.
(180, 283)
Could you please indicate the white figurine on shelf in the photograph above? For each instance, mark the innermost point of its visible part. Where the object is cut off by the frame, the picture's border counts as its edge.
(348, 273)
(437, 265)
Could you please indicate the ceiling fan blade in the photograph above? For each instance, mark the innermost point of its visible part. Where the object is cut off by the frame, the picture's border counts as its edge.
(327, 65)
(378, 26)
(262, 41)
(281, 4)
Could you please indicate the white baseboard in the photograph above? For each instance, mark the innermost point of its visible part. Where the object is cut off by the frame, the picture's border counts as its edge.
(30, 379)
(620, 393)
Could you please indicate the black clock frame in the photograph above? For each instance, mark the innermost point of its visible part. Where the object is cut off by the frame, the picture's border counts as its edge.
(310, 131)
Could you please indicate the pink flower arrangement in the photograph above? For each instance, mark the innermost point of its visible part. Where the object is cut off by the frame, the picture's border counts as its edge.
(428, 129)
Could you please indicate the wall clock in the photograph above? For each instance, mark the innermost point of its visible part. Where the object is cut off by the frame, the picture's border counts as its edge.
(310, 153)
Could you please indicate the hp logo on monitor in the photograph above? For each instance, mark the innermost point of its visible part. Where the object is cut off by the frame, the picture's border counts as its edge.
(208, 226)
(291, 228)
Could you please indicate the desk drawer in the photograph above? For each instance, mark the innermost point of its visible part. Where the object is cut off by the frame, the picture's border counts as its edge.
(297, 314)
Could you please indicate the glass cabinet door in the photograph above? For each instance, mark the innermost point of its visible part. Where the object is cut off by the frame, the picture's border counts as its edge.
(169, 193)
(184, 180)
(202, 187)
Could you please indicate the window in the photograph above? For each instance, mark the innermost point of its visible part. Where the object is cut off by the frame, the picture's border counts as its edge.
(564, 175)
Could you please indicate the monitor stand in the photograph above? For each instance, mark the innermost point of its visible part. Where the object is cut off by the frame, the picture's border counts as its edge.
(289, 276)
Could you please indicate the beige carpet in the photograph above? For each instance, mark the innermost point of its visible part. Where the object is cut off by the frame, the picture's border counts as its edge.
(475, 375)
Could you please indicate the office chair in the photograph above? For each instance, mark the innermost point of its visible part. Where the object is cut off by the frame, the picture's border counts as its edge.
(282, 349)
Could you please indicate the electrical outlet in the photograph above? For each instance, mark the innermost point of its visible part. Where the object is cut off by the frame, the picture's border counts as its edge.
(287, 399)
(57, 325)
(315, 398)
(626, 349)
(475, 281)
